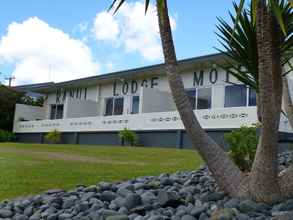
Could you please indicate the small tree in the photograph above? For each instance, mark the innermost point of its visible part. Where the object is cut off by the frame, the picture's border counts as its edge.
(128, 137)
(54, 136)
(242, 146)
(6, 136)
(8, 98)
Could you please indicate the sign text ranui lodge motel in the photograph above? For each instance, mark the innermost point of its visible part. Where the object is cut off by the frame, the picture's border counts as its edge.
(92, 110)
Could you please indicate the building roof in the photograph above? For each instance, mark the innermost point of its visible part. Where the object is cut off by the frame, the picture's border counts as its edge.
(184, 64)
(33, 87)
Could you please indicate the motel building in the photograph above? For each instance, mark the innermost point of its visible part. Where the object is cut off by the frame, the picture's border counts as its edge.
(93, 110)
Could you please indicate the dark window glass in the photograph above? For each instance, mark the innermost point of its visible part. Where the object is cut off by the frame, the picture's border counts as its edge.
(109, 106)
(59, 114)
(135, 105)
(252, 97)
(204, 98)
(118, 106)
(53, 112)
(56, 112)
(235, 95)
(191, 96)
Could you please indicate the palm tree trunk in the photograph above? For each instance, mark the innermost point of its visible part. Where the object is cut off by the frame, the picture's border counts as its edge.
(258, 106)
(227, 175)
(288, 106)
(264, 185)
(286, 177)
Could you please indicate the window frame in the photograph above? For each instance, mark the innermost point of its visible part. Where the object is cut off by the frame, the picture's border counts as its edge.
(114, 109)
(56, 111)
(196, 96)
(196, 103)
(248, 89)
(113, 105)
(131, 107)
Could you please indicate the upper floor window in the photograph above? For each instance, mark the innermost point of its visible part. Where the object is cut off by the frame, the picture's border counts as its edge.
(114, 106)
(200, 98)
(56, 111)
(135, 105)
(252, 97)
(239, 95)
(204, 98)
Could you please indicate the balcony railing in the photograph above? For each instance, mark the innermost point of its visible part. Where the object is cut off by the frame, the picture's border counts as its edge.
(209, 119)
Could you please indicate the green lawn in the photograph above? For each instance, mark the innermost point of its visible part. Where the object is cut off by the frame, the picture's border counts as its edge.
(28, 169)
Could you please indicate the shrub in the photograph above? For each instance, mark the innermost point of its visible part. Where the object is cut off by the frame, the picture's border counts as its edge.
(242, 146)
(54, 136)
(6, 136)
(128, 137)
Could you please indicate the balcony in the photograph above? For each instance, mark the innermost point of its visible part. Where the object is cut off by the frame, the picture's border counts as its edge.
(222, 118)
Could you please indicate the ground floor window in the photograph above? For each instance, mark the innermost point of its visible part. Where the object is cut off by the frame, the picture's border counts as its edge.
(200, 98)
(56, 111)
(114, 106)
(135, 105)
(239, 95)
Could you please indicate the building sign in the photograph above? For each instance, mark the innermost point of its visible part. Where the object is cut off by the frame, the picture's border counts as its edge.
(131, 87)
(201, 78)
(77, 93)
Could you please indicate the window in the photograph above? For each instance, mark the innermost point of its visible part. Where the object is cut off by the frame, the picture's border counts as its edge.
(204, 98)
(53, 112)
(56, 112)
(135, 105)
(114, 106)
(235, 95)
(239, 95)
(109, 106)
(200, 98)
(59, 113)
(252, 97)
(118, 106)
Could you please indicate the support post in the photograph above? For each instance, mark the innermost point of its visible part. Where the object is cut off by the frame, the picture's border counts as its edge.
(41, 138)
(76, 140)
(179, 139)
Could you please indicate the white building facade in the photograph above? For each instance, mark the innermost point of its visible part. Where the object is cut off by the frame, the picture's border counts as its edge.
(93, 110)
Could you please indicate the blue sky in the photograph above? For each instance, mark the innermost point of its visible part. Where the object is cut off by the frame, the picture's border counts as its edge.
(57, 40)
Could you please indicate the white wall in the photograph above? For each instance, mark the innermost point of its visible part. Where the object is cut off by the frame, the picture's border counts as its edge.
(76, 108)
(28, 112)
(208, 119)
(154, 100)
(92, 93)
(117, 87)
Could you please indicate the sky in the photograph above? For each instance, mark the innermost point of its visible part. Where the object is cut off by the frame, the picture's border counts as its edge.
(60, 40)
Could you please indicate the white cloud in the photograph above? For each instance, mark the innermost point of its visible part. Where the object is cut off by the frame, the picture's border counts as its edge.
(106, 27)
(41, 53)
(132, 29)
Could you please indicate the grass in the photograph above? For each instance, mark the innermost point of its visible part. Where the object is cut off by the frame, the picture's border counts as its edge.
(28, 169)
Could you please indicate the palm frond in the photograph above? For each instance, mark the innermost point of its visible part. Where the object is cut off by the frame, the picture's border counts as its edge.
(239, 41)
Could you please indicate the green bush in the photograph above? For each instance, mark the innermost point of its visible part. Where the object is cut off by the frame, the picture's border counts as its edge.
(242, 146)
(128, 137)
(6, 136)
(53, 136)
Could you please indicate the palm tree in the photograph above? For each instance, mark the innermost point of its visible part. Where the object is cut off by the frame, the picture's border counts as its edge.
(240, 47)
(263, 184)
(262, 49)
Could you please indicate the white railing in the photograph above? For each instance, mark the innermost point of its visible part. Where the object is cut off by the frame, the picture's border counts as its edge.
(209, 119)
